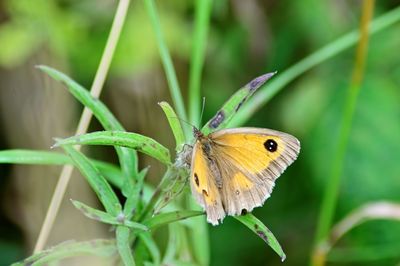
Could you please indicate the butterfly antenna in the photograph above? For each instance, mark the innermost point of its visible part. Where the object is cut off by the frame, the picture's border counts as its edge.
(182, 120)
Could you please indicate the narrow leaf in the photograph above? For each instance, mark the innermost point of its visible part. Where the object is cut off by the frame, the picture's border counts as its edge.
(170, 217)
(110, 171)
(99, 247)
(166, 59)
(132, 201)
(175, 125)
(262, 231)
(233, 105)
(175, 185)
(201, 25)
(123, 244)
(120, 138)
(326, 52)
(104, 217)
(151, 247)
(128, 158)
(96, 180)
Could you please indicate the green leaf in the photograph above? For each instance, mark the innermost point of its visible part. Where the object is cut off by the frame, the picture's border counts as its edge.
(110, 171)
(233, 105)
(96, 180)
(104, 217)
(166, 60)
(202, 21)
(98, 247)
(151, 246)
(132, 201)
(123, 244)
(127, 157)
(33, 157)
(326, 52)
(262, 231)
(174, 185)
(170, 217)
(175, 125)
(121, 138)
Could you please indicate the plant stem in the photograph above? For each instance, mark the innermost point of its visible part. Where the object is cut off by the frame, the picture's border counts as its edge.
(85, 119)
(332, 188)
(202, 22)
(280, 81)
(166, 61)
(166, 179)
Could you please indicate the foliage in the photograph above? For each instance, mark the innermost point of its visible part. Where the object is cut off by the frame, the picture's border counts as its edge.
(221, 50)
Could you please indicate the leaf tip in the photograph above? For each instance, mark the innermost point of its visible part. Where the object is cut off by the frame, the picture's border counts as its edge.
(57, 144)
(259, 81)
(39, 66)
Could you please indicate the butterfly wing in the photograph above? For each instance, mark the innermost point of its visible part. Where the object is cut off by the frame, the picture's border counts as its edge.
(203, 185)
(250, 160)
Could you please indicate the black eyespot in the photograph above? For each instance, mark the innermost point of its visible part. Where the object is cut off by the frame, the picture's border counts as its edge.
(271, 145)
(243, 212)
(196, 179)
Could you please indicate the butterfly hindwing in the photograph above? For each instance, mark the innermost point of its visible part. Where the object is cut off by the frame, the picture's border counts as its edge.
(250, 160)
(203, 183)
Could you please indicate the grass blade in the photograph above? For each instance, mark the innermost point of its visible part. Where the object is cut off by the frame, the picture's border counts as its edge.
(121, 138)
(318, 57)
(123, 244)
(132, 201)
(104, 217)
(128, 158)
(152, 247)
(166, 60)
(262, 231)
(96, 180)
(33, 157)
(170, 217)
(98, 247)
(110, 171)
(202, 22)
(175, 125)
(331, 192)
(234, 104)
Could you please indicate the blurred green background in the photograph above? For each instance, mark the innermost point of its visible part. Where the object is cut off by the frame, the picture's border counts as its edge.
(245, 40)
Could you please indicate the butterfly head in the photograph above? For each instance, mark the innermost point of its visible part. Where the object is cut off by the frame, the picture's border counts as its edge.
(197, 133)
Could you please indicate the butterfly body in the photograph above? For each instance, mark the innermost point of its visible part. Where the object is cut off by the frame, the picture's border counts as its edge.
(234, 170)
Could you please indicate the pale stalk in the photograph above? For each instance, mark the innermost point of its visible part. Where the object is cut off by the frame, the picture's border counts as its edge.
(84, 122)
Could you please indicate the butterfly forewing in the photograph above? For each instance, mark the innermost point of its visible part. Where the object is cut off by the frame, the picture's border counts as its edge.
(250, 159)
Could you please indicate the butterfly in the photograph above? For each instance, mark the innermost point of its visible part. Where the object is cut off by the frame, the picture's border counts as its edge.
(234, 170)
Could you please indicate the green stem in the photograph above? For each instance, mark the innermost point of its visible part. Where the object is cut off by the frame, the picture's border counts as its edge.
(200, 245)
(156, 194)
(365, 254)
(166, 60)
(202, 21)
(332, 188)
(323, 54)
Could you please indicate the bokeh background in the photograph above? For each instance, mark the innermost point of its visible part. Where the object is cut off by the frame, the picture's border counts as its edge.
(246, 39)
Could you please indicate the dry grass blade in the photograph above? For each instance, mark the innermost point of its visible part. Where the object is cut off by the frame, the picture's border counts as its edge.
(84, 122)
(371, 211)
